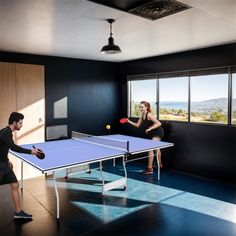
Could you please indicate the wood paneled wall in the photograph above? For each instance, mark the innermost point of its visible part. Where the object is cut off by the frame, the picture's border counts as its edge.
(7, 91)
(22, 89)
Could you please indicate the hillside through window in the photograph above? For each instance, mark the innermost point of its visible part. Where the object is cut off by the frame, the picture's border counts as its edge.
(173, 95)
(209, 98)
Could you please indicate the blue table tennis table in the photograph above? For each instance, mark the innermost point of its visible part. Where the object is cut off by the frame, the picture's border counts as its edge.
(83, 149)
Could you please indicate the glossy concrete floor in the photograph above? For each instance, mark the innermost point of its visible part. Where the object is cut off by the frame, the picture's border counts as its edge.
(179, 204)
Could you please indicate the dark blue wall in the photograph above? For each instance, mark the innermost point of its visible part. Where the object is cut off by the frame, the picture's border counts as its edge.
(97, 95)
(91, 88)
(200, 149)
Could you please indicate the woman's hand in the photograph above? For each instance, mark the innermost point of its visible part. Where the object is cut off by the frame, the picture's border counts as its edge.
(147, 130)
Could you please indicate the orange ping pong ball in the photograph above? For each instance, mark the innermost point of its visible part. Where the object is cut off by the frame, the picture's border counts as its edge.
(108, 126)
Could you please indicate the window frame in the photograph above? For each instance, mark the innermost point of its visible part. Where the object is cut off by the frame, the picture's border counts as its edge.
(180, 76)
(186, 73)
(129, 92)
(231, 96)
(190, 102)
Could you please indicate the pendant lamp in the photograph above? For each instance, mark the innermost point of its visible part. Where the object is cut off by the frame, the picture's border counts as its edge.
(110, 48)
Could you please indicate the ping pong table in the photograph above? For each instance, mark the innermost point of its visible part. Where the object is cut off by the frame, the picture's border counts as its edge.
(83, 149)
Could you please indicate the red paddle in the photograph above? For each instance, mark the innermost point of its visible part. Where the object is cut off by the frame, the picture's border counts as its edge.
(123, 120)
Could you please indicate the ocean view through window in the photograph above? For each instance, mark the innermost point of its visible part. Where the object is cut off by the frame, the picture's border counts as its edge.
(173, 95)
(209, 98)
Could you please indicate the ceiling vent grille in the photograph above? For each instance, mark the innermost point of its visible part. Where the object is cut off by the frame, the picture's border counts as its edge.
(157, 9)
(149, 9)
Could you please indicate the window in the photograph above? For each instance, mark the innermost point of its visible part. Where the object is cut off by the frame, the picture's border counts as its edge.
(233, 99)
(173, 97)
(142, 90)
(209, 98)
(195, 96)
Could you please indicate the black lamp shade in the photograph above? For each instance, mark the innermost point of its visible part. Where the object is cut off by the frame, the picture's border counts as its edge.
(110, 48)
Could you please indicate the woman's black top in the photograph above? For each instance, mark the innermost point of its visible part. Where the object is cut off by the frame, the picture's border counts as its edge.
(158, 132)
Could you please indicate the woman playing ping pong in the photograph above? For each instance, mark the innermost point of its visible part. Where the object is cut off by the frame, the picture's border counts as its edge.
(153, 130)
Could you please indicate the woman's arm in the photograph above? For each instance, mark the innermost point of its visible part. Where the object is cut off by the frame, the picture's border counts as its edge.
(138, 124)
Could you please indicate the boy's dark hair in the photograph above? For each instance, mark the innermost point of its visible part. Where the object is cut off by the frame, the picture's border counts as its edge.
(15, 116)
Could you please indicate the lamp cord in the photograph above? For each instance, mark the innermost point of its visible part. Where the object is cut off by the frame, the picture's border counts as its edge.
(111, 29)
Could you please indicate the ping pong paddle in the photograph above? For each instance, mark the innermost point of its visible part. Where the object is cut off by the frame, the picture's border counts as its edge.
(41, 154)
(123, 120)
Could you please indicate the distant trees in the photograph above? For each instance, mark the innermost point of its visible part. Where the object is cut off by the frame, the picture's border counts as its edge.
(181, 114)
(135, 109)
(234, 117)
(217, 116)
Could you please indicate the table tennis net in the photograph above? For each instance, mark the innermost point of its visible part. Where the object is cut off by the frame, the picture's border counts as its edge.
(99, 140)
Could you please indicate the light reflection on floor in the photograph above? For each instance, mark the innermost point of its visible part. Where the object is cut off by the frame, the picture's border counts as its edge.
(138, 195)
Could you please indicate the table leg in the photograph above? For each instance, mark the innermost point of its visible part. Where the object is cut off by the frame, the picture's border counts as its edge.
(124, 166)
(21, 173)
(158, 166)
(103, 181)
(57, 196)
(121, 182)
